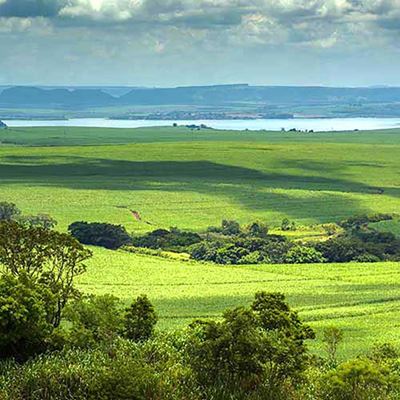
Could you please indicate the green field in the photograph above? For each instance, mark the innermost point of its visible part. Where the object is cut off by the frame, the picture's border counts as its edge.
(192, 180)
(362, 299)
(176, 177)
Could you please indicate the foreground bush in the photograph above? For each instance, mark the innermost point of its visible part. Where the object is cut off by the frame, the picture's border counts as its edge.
(357, 380)
(117, 373)
(37, 273)
(258, 349)
(25, 317)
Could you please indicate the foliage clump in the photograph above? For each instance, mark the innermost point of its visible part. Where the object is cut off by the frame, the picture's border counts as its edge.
(170, 240)
(251, 349)
(100, 234)
(139, 320)
(10, 212)
(37, 281)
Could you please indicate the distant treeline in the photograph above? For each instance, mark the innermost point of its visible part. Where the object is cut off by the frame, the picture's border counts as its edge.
(352, 240)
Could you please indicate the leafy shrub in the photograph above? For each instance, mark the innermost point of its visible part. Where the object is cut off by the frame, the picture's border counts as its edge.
(140, 320)
(230, 228)
(173, 239)
(303, 254)
(8, 211)
(227, 228)
(257, 229)
(230, 254)
(91, 320)
(100, 234)
(41, 220)
(272, 248)
(358, 379)
(252, 258)
(86, 375)
(367, 258)
(341, 249)
(288, 225)
(25, 316)
(205, 251)
(363, 245)
(363, 220)
(251, 349)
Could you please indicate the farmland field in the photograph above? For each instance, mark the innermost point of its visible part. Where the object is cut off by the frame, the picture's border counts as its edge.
(362, 299)
(194, 179)
(177, 177)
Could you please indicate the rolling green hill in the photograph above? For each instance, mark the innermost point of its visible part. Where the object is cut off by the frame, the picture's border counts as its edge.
(176, 177)
(193, 180)
(362, 299)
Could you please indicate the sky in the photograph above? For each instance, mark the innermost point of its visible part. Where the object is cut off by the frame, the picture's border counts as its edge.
(200, 42)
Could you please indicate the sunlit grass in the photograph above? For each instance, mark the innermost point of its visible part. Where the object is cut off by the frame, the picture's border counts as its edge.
(362, 299)
(194, 180)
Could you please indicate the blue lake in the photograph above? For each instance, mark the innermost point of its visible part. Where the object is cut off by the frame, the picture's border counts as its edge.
(316, 124)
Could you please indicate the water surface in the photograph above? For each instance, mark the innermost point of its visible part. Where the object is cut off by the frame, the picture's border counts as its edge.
(316, 124)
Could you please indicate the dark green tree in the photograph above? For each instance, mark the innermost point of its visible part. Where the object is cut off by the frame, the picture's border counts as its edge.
(258, 229)
(255, 348)
(140, 320)
(8, 211)
(230, 228)
(100, 234)
(92, 320)
(299, 254)
(26, 311)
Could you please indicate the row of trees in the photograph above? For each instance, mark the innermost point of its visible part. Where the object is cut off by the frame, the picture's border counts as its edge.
(232, 244)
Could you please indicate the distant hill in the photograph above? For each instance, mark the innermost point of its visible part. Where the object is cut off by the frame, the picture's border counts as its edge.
(54, 98)
(227, 94)
(222, 95)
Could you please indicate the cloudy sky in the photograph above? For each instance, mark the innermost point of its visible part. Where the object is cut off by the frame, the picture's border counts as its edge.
(184, 42)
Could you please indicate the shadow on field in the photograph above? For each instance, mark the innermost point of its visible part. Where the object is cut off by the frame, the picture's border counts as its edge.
(250, 187)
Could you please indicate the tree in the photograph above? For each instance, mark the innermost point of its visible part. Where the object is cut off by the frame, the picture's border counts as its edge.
(173, 239)
(46, 257)
(41, 220)
(332, 337)
(251, 348)
(359, 379)
(8, 211)
(92, 319)
(341, 249)
(287, 225)
(25, 316)
(230, 228)
(304, 255)
(140, 320)
(258, 229)
(100, 234)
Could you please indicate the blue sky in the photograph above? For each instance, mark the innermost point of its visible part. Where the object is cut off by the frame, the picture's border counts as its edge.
(191, 42)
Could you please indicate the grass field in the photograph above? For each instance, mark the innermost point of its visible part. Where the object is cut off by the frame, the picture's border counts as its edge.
(175, 177)
(192, 184)
(362, 299)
